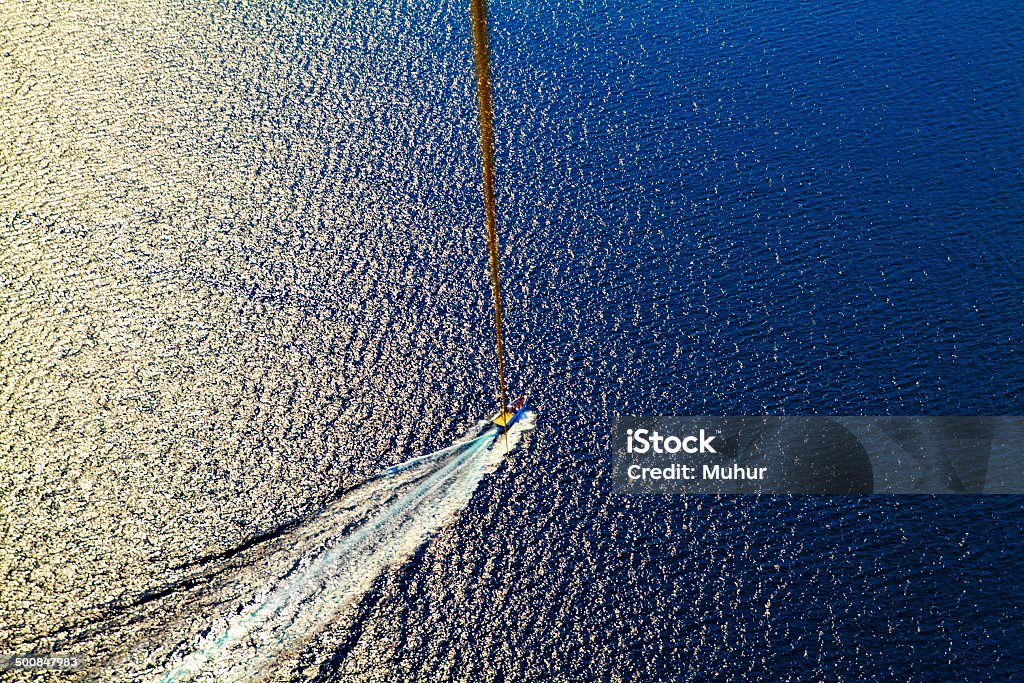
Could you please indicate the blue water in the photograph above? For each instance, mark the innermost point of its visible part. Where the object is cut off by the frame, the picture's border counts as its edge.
(244, 267)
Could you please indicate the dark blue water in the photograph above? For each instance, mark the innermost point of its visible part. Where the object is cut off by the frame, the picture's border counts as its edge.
(725, 208)
(799, 209)
(244, 266)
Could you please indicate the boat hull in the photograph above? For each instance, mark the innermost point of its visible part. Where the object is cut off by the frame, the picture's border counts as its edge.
(505, 419)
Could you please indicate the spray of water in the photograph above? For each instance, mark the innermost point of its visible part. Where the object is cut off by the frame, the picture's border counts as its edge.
(333, 559)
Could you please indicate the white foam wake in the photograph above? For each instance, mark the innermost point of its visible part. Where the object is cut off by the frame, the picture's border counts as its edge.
(331, 560)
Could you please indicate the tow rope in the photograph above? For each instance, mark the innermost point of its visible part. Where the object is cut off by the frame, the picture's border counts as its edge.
(478, 10)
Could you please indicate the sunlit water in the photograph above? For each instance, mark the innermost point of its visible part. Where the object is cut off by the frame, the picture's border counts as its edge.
(242, 270)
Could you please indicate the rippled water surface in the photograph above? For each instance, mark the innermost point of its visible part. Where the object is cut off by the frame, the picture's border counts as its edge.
(242, 269)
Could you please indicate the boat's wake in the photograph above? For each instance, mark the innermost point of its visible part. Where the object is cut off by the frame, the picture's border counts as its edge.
(316, 569)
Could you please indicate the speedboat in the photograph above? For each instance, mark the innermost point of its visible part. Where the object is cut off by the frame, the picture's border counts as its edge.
(506, 418)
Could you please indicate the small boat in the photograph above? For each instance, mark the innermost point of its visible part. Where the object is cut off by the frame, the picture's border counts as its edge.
(506, 418)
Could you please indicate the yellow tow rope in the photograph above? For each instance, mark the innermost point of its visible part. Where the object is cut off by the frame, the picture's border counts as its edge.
(478, 10)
